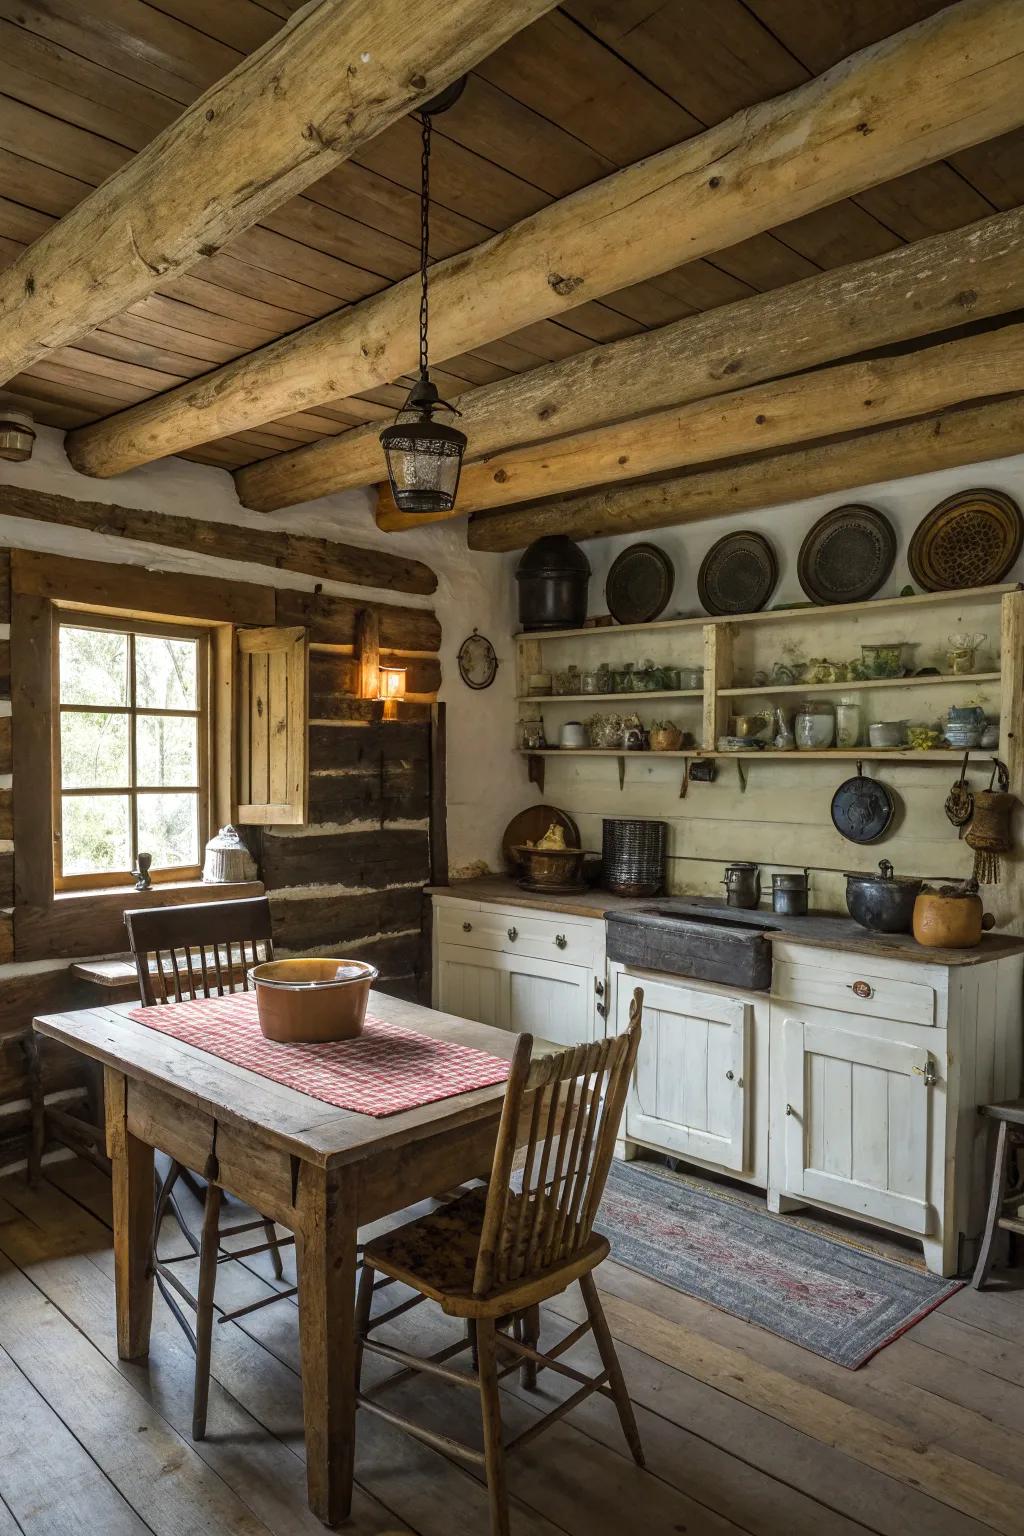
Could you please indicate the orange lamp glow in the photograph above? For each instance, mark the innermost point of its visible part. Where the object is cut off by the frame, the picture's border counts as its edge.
(392, 688)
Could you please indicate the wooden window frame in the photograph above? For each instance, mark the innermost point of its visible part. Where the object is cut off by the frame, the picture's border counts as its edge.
(119, 623)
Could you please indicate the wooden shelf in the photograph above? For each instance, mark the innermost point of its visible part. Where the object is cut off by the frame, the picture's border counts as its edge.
(834, 754)
(606, 698)
(774, 615)
(862, 685)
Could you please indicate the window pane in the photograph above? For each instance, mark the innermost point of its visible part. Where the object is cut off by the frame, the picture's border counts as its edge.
(169, 829)
(165, 747)
(94, 751)
(95, 834)
(165, 673)
(93, 666)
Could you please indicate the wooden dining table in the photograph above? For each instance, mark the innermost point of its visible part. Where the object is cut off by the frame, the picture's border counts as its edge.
(319, 1171)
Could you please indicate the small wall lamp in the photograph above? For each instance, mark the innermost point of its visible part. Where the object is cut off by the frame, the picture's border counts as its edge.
(392, 688)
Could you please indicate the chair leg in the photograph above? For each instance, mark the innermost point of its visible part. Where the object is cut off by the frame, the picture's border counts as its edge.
(529, 1323)
(474, 1353)
(997, 1195)
(610, 1361)
(490, 1403)
(208, 1252)
(364, 1301)
(275, 1252)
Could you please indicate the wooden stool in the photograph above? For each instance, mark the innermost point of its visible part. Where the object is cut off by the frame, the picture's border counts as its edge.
(1010, 1119)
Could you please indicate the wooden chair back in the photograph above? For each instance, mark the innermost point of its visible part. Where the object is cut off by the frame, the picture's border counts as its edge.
(198, 951)
(573, 1123)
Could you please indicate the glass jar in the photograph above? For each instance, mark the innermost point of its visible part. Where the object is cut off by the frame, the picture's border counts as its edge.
(815, 726)
(848, 722)
(604, 678)
(531, 735)
(589, 683)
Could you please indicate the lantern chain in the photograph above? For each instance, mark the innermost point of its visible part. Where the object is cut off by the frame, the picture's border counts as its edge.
(424, 238)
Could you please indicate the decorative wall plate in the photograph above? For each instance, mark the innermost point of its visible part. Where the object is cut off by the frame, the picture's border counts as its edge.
(847, 556)
(738, 574)
(478, 664)
(639, 584)
(969, 540)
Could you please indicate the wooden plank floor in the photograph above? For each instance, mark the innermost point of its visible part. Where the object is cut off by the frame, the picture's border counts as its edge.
(743, 1432)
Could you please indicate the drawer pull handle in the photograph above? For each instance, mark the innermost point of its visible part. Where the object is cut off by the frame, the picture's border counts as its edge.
(467, 927)
(861, 988)
(561, 940)
(929, 1074)
(513, 934)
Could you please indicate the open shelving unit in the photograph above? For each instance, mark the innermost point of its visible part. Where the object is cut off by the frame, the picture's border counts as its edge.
(732, 649)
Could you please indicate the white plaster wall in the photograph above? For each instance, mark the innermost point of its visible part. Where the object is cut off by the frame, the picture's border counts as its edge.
(486, 783)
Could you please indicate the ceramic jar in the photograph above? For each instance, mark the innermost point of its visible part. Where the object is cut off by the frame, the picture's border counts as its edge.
(815, 726)
(572, 736)
(888, 733)
(848, 723)
(950, 916)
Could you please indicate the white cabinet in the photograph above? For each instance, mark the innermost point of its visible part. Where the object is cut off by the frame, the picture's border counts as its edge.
(520, 969)
(690, 1094)
(700, 1089)
(858, 1117)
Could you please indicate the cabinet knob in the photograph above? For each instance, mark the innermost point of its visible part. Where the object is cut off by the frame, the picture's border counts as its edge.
(599, 987)
(561, 940)
(730, 1076)
(513, 934)
(602, 1010)
(861, 988)
(929, 1074)
(467, 927)
(789, 1109)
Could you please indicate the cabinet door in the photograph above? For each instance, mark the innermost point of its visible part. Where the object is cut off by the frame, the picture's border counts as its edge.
(690, 1089)
(550, 999)
(471, 984)
(857, 1122)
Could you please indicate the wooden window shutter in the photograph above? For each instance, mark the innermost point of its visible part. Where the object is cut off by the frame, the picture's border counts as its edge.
(272, 716)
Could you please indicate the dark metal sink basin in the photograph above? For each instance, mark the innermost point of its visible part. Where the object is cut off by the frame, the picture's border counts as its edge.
(703, 940)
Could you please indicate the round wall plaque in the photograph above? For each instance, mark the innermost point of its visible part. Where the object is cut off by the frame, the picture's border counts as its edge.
(478, 663)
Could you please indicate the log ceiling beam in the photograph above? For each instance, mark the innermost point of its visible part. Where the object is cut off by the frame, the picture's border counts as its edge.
(853, 127)
(967, 274)
(336, 75)
(964, 436)
(320, 558)
(867, 393)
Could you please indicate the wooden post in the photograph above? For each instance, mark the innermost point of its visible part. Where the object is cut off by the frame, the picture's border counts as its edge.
(368, 652)
(438, 795)
(132, 1179)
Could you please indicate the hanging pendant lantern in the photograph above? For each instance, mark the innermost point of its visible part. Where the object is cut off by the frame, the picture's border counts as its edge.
(424, 455)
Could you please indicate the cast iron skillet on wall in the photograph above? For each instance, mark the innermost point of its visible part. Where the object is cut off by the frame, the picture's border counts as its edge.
(863, 808)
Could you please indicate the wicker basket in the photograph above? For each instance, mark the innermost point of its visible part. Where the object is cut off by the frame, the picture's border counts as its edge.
(633, 855)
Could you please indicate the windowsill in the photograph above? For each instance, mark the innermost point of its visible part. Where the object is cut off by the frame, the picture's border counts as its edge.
(173, 892)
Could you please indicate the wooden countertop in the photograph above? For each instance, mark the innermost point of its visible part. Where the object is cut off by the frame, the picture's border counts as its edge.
(823, 930)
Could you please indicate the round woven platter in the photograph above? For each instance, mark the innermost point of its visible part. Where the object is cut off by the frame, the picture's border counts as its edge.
(847, 555)
(738, 574)
(639, 584)
(969, 540)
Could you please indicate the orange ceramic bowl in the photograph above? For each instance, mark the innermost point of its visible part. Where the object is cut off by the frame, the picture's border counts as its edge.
(312, 1000)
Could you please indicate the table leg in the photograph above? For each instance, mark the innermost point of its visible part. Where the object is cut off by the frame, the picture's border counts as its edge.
(326, 1261)
(132, 1177)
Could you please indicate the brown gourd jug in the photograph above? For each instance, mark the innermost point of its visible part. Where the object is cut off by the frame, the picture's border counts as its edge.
(950, 916)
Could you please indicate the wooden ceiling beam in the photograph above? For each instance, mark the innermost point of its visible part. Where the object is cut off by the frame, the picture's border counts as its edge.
(969, 274)
(336, 75)
(852, 128)
(944, 441)
(867, 393)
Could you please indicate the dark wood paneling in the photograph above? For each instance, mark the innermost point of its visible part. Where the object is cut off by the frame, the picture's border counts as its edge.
(306, 922)
(93, 924)
(355, 859)
(389, 790)
(5, 744)
(334, 678)
(332, 621)
(25, 994)
(353, 745)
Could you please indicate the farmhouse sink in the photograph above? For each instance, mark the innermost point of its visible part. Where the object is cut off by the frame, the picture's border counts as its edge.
(705, 940)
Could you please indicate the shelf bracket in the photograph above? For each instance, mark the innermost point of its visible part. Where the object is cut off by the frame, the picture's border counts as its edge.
(741, 774)
(535, 770)
(622, 773)
(684, 786)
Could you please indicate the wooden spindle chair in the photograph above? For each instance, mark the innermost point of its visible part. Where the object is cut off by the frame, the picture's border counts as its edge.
(182, 953)
(496, 1253)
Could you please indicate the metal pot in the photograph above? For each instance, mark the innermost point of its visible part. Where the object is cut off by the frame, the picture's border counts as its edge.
(789, 894)
(883, 902)
(553, 577)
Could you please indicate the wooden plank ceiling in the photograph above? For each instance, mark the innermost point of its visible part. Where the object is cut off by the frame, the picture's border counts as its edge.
(593, 86)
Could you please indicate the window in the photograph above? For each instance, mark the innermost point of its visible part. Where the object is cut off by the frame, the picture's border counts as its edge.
(131, 749)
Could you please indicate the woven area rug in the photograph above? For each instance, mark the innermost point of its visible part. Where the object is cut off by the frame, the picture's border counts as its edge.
(827, 1296)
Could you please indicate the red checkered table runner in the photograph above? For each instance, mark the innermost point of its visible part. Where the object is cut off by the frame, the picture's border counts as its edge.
(383, 1071)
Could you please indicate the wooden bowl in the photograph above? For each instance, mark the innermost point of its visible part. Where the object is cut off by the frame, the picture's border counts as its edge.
(554, 867)
(312, 1000)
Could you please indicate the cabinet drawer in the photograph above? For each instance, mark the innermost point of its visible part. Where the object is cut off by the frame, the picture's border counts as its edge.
(543, 938)
(854, 989)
